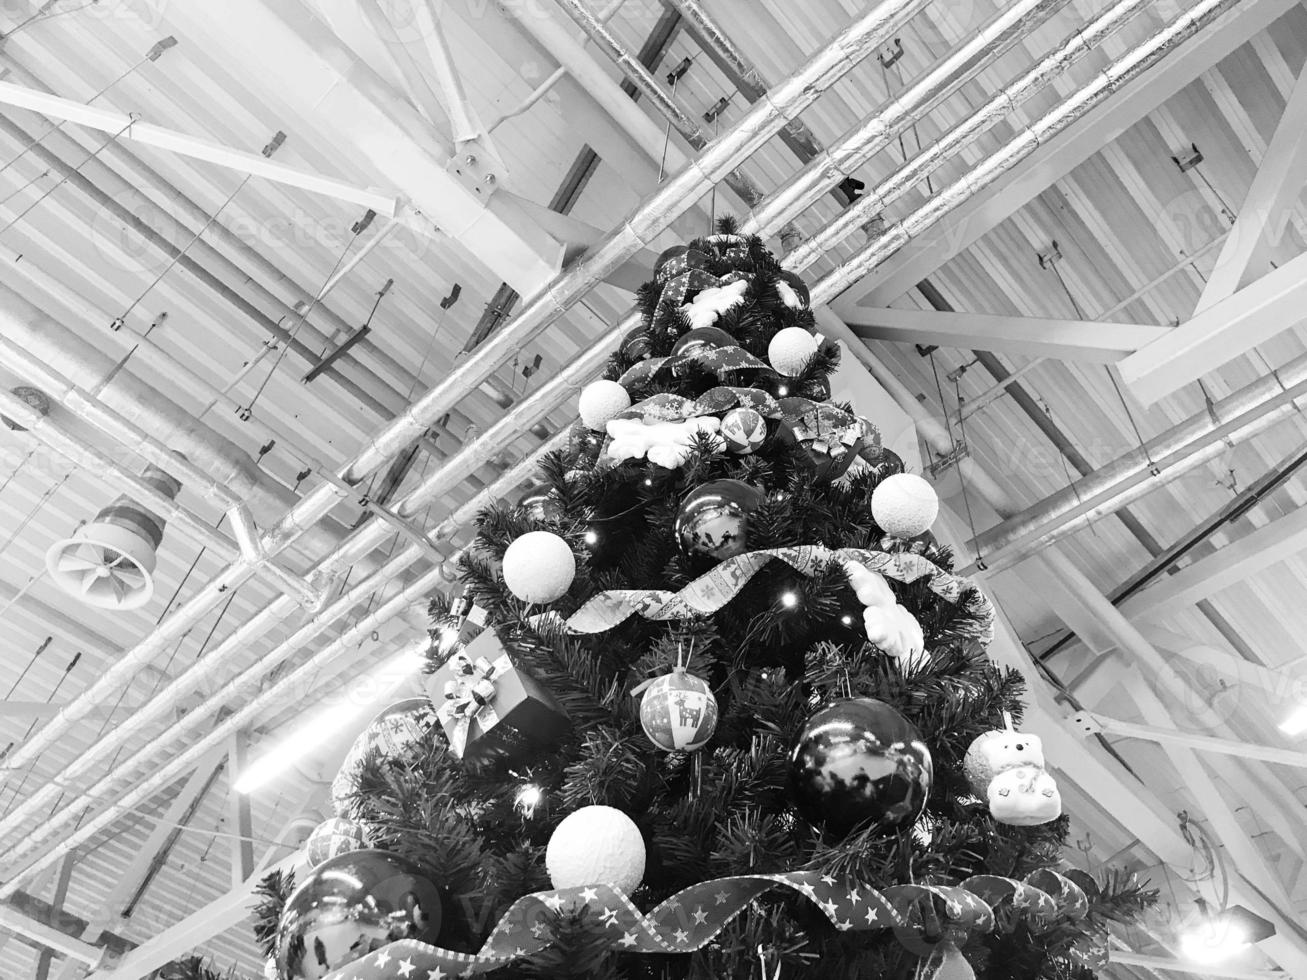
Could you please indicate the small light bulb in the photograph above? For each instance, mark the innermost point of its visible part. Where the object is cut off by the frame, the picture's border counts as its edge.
(591, 537)
(789, 600)
(782, 391)
(528, 798)
(648, 481)
(846, 619)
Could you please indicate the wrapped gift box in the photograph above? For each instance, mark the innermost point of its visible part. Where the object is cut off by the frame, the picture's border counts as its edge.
(489, 708)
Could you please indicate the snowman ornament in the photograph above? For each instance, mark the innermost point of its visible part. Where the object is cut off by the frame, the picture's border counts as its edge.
(1006, 767)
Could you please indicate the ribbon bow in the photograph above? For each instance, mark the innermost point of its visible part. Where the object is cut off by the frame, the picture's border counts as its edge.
(468, 696)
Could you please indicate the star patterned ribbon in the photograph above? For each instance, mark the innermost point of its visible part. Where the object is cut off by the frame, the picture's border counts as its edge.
(695, 916)
(719, 361)
(714, 589)
(468, 696)
(669, 407)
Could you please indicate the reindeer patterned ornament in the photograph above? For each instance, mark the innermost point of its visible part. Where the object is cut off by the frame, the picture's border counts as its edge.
(678, 711)
(1006, 767)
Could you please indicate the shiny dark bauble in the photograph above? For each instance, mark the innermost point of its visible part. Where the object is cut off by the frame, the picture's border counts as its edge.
(714, 519)
(858, 761)
(351, 905)
(882, 464)
(703, 339)
(541, 504)
(635, 345)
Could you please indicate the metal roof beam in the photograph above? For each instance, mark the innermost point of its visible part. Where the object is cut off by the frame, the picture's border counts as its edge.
(318, 76)
(48, 936)
(1270, 544)
(124, 126)
(1268, 204)
(1150, 962)
(1067, 340)
(217, 917)
(1052, 161)
(1168, 735)
(1219, 333)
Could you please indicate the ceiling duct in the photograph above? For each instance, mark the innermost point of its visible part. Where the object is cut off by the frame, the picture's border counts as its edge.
(110, 561)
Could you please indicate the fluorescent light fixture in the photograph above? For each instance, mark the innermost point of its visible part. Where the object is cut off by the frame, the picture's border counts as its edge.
(1296, 723)
(1224, 935)
(329, 719)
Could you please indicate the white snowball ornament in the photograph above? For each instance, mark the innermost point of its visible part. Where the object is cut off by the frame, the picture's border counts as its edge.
(270, 969)
(790, 350)
(602, 400)
(539, 567)
(904, 505)
(596, 845)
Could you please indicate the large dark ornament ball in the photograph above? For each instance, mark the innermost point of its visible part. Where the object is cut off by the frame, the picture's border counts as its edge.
(883, 463)
(351, 905)
(859, 761)
(542, 504)
(714, 518)
(703, 339)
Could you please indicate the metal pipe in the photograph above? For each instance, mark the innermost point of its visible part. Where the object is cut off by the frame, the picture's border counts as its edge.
(302, 678)
(637, 231)
(639, 76)
(1132, 64)
(1081, 42)
(877, 132)
(1195, 441)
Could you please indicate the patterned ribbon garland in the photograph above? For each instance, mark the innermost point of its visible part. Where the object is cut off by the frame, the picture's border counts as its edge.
(718, 360)
(928, 919)
(468, 696)
(714, 589)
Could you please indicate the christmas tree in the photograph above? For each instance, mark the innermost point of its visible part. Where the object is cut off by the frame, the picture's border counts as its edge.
(713, 704)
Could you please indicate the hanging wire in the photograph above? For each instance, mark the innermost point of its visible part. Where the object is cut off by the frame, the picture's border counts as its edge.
(1052, 266)
(302, 318)
(45, 497)
(120, 321)
(32, 727)
(712, 206)
(111, 140)
(953, 450)
(14, 193)
(667, 135)
(151, 55)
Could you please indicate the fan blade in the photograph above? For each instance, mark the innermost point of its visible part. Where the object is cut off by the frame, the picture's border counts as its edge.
(71, 561)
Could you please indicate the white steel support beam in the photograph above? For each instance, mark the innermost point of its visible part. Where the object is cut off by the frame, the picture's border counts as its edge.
(1219, 333)
(315, 75)
(240, 823)
(1052, 161)
(126, 127)
(1067, 340)
(1268, 545)
(197, 928)
(49, 937)
(1268, 204)
(1202, 743)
